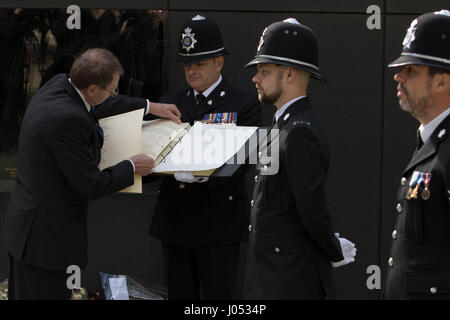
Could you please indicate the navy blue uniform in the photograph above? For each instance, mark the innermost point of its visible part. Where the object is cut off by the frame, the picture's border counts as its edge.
(291, 239)
(419, 264)
(205, 222)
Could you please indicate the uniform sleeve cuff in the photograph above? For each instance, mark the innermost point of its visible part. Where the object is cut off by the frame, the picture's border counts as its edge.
(134, 169)
(147, 108)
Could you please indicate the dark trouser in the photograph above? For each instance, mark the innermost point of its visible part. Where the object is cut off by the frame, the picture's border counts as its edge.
(192, 271)
(31, 283)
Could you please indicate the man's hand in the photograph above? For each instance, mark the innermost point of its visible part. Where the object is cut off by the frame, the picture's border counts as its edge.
(348, 250)
(143, 164)
(165, 110)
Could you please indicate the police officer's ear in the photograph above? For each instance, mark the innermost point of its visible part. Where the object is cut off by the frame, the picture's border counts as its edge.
(446, 81)
(291, 74)
(219, 61)
(442, 81)
(296, 75)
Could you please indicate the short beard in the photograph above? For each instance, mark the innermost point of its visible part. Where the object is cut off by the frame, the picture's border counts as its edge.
(272, 98)
(416, 107)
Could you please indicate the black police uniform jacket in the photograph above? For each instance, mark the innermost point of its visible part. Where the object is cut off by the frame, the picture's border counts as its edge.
(59, 151)
(291, 242)
(215, 212)
(419, 265)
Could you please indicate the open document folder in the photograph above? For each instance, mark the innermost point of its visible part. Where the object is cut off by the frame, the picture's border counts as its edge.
(201, 148)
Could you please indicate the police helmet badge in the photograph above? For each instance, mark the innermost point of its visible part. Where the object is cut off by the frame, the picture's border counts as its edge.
(261, 40)
(187, 39)
(427, 41)
(443, 12)
(291, 20)
(289, 43)
(410, 34)
(200, 39)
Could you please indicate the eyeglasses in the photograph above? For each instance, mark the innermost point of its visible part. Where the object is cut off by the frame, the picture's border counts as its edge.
(113, 94)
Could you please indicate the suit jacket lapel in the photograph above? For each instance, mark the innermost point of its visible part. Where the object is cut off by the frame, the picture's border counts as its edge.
(427, 150)
(188, 108)
(205, 107)
(74, 94)
(430, 147)
(291, 110)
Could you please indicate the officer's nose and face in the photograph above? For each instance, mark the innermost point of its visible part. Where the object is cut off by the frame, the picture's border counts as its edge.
(268, 80)
(201, 75)
(401, 77)
(414, 89)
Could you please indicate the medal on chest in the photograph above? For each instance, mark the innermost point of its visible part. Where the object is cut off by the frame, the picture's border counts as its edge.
(417, 179)
(414, 185)
(426, 191)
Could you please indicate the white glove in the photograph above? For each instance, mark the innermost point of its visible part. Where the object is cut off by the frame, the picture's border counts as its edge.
(188, 177)
(348, 251)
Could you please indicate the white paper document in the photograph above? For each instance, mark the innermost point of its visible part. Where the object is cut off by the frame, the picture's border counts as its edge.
(201, 148)
(206, 147)
(119, 289)
(122, 140)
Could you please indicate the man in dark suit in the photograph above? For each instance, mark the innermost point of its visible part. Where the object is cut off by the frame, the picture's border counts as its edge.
(201, 223)
(419, 265)
(59, 152)
(291, 242)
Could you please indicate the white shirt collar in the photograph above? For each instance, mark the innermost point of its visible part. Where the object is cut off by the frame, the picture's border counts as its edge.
(427, 130)
(280, 112)
(210, 89)
(88, 106)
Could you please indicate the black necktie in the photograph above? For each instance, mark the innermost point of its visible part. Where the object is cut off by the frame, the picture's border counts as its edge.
(97, 126)
(199, 98)
(419, 140)
(274, 120)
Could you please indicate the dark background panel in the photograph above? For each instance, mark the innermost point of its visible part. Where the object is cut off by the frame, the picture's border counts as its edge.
(415, 7)
(399, 134)
(350, 106)
(276, 6)
(113, 4)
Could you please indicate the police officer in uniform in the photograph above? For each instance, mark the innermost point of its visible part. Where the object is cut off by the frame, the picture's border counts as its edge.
(202, 221)
(419, 264)
(292, 244)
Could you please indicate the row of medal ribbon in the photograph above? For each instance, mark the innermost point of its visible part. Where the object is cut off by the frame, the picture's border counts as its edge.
(225, 117)
(417, 179)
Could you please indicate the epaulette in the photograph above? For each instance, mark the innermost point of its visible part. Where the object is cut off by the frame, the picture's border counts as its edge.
(301, 123)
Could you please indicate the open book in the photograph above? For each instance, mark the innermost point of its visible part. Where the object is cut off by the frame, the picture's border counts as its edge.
(201, 148)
